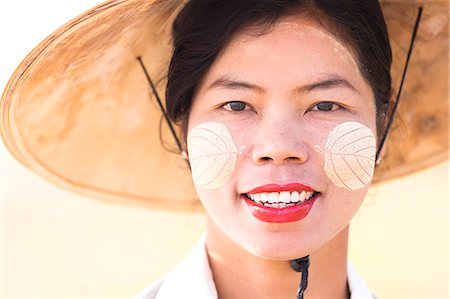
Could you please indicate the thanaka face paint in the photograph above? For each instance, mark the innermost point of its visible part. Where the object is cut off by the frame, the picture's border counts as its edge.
(212, 154)
(304, 31)
(349, 154)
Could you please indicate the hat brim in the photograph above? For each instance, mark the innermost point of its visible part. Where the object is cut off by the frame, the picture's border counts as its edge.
(79, 111)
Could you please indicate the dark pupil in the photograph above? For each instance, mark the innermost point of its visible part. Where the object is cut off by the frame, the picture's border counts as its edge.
(325, 106)
(237, 106)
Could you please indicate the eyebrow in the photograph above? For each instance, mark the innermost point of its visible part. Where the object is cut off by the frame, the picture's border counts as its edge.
(331, 81)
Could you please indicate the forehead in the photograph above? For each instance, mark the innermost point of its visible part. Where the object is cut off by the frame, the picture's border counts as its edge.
(296, 50)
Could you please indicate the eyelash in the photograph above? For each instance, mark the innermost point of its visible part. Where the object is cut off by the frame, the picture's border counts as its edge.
(334, 105)
(236, 111)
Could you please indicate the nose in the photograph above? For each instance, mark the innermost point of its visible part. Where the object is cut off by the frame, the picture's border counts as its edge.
(279, 142)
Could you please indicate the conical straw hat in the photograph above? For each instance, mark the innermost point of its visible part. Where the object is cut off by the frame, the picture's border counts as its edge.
(78, 110)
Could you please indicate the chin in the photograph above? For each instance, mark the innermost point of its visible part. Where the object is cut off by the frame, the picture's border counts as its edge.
(294, 243)
(281, 248)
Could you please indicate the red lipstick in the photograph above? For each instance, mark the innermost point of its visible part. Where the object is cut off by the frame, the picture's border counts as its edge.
(280, 215)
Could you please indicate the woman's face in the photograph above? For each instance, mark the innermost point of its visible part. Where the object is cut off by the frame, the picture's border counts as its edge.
(262, 117)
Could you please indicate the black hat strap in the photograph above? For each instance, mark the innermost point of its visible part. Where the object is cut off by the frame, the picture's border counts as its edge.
(397, 100)
(165, 115)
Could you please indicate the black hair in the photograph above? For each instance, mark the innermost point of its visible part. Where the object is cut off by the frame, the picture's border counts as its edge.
(203, 28)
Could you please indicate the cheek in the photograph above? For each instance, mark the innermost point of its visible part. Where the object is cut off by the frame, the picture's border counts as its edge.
(212, 155)
(349, 155)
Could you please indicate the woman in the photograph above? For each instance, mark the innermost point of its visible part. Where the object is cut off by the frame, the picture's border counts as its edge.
(282, 108)
(272, 79)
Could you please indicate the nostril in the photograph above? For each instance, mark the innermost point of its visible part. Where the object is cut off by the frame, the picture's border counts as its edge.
(293, 158)
(279, 153)
(266, 158)
(286, 159)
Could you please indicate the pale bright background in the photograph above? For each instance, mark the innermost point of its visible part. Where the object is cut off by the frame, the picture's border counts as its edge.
(57, 244)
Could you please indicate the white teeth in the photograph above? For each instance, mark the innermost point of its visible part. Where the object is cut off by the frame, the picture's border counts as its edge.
(273, 197)
(281, 199)
(256, 197)
(285, 196)
(295, 197)
(302, 196)
(264, 197)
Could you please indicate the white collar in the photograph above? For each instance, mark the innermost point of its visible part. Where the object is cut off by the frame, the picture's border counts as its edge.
(192, 278)
(357, 286)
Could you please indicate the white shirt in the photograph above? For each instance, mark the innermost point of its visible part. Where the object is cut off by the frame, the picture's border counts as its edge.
(192, 278)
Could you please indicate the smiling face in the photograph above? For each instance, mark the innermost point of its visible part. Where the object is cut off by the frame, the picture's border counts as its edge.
(279, 96)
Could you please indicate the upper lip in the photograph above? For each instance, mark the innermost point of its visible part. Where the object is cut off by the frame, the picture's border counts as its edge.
(280, 188)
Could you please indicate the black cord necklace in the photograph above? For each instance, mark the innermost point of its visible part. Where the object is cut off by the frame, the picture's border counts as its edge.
(301, 265)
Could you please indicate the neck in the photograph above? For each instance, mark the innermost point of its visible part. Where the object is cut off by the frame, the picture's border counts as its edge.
(240, 274)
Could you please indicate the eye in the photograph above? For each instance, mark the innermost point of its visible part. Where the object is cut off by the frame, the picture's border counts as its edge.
(236, 106)
(326, 106)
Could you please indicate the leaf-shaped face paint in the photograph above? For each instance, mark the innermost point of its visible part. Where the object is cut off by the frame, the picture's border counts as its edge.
(212, 154)
(350, 155)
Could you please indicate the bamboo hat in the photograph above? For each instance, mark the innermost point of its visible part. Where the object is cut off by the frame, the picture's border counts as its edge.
(78, 110)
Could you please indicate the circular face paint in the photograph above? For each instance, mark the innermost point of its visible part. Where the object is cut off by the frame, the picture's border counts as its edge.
(349, 153)
(212, 154)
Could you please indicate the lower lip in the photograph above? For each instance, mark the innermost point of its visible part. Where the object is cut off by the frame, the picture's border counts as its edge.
(274, 215)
